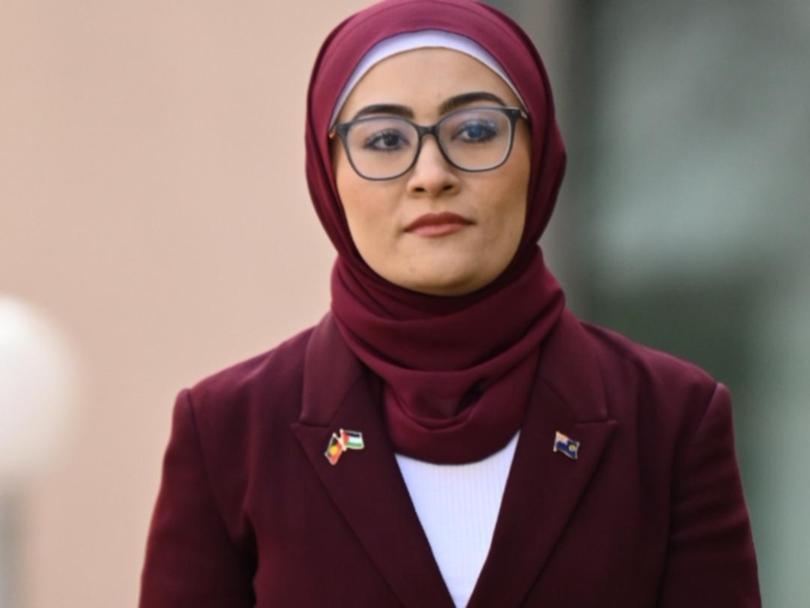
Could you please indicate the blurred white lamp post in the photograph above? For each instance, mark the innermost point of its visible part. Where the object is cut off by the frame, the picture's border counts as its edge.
(38, 389)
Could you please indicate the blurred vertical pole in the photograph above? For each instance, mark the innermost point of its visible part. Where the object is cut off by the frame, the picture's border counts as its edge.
(38, 390)
(9, 554)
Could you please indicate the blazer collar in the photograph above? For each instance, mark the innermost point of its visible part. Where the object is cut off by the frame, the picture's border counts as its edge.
(541, 492)
(544, 486)
(366, 486)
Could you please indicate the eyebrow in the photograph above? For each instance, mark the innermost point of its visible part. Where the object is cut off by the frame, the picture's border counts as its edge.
(447, 105)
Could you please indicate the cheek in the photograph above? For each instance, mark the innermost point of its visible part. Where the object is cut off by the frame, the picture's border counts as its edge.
(512, 189)
(518, 188)
(358, 213)
(512, 220)
(367, 210)
(351, 192)
(342, 171)
(509, 213)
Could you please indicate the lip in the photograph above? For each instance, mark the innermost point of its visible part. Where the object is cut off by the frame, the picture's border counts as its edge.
(437, 224)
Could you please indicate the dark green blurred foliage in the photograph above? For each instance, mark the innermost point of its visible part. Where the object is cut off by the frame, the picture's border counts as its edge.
(684, 219)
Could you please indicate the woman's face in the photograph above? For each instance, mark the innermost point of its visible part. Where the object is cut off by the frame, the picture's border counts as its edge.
(396, 224)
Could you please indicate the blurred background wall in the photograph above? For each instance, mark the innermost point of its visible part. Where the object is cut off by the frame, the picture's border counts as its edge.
(153, 205)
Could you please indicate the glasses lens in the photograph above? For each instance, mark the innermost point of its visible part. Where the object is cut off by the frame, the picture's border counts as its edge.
(381, 147)
(476, 139)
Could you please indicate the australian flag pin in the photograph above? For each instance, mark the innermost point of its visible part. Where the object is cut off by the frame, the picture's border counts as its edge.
(567, 446)
(340, 442)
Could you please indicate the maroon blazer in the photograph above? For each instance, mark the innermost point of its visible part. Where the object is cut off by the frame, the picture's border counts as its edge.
(651, 514)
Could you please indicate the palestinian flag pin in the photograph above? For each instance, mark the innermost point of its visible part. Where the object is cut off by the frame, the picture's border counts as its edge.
(340, 442)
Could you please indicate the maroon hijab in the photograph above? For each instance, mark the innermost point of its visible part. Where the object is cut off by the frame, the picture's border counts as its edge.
(457, 371)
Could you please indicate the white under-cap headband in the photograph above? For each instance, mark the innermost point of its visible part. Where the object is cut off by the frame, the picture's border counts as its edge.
(418, 40)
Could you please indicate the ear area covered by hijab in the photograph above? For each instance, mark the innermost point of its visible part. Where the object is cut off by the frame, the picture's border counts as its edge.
(447, 363)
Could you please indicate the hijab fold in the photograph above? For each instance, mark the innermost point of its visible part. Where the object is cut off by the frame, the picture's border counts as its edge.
(457, 371)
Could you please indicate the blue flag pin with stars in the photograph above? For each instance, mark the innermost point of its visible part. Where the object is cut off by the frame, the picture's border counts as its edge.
(565, 445)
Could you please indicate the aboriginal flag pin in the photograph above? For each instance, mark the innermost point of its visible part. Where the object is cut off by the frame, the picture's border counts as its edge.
(340, 442)
(567, 446)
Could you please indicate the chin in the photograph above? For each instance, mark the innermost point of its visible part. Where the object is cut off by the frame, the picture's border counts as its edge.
(455, 285)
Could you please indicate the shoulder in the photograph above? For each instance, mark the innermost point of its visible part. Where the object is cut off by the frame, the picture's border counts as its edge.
(640, 363)
(233, 422)
(649, 386)
(268, 383)
(671, 417)
(673, 452)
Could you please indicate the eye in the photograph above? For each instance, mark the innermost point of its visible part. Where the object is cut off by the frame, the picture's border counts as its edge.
(388, 140)
(476, 131)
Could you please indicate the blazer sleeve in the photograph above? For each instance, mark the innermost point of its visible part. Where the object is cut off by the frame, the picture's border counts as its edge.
(190, 558)
(710, 558)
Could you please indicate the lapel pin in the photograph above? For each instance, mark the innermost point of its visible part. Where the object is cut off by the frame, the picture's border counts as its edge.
(567, 446)
(340, 442)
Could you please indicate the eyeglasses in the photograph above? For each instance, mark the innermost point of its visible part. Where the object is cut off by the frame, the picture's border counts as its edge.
(470, 139)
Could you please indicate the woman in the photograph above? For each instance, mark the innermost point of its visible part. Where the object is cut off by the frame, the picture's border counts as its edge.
(449, 434)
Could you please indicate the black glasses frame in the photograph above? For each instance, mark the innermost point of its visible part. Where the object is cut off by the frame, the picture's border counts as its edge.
(342, 131)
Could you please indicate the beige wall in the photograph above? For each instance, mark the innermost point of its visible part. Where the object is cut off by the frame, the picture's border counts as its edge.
(152, 200)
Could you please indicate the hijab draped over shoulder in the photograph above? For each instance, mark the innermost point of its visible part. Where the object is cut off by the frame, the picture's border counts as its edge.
(457, 371)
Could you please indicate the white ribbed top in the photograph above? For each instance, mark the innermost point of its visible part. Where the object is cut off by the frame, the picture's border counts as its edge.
(458, 505)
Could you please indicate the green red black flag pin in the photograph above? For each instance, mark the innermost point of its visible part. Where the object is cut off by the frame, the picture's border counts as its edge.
(340, 442)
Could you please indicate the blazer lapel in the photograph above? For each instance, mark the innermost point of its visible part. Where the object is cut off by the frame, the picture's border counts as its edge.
(365, 485)
(544, 486)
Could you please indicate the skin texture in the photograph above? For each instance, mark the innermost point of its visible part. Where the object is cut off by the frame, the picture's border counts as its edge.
(494, 202)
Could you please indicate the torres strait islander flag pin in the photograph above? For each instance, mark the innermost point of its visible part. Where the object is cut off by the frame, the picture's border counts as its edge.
(567, 446)
(340, 442)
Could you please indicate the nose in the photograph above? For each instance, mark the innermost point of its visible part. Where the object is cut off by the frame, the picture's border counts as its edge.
(432, 175)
